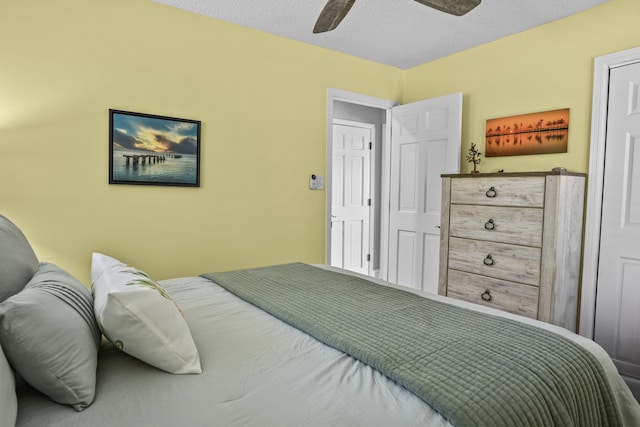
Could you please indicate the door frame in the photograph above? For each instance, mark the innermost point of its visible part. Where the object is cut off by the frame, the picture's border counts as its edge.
(595, 183)
(372, 194)
(367, 101)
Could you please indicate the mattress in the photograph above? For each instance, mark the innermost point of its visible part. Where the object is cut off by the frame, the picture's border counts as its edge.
(257, 371)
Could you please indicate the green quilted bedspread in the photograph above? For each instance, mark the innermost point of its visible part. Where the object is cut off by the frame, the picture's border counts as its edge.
(473, 368)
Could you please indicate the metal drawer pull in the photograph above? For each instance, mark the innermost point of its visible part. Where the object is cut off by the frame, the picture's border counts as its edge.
(489, 225)
(488, 260)
(486, 295)
(491, 192)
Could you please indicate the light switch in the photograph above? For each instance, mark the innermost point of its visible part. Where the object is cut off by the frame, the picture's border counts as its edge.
(316, 182)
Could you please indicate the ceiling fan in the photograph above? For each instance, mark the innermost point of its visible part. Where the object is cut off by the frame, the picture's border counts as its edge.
(335, 10)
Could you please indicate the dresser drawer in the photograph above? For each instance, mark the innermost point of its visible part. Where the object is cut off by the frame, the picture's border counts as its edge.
(520, 191)
(522, 226)
(499, 260)
(503, 295)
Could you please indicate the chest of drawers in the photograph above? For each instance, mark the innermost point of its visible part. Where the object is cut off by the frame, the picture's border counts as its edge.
(513, 242)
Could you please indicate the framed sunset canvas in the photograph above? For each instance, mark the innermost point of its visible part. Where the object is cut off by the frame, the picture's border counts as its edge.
(148, 149)
(544, 132)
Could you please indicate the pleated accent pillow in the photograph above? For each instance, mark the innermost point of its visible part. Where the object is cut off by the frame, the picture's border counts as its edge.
(50, 336)
(18, 262)
(140, 318)
(8, 398)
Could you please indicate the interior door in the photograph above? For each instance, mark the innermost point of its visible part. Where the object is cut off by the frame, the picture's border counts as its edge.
(425, 143)
(617, 319)
(351, 196)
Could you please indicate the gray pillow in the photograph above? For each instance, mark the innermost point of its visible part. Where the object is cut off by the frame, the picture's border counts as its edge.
(18, 262)
(8, 399)
(49, 334)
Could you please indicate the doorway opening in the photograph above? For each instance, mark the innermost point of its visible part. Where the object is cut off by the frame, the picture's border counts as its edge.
(360, 111)
(413, 144)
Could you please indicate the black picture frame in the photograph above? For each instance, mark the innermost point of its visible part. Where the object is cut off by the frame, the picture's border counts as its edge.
(147, 149)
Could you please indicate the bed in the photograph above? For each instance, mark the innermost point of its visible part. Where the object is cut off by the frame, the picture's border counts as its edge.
(246, 365)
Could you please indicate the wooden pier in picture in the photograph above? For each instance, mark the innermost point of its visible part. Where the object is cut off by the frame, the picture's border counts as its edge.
(143, 158)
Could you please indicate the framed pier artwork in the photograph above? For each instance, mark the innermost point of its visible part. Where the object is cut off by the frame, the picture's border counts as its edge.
(153, 150)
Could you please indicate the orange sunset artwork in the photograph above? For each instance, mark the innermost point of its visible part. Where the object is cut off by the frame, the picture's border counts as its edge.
(535, 133)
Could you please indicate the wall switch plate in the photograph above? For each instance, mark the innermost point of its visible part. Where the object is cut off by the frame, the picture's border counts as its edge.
(316, 182)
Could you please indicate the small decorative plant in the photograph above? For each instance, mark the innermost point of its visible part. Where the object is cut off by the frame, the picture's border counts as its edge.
(474, 157)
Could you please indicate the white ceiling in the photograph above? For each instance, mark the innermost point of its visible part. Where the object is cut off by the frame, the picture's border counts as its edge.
(400, 33)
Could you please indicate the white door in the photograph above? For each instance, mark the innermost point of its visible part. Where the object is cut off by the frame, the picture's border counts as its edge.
(425, 143)
(351, 196)
(617, 319)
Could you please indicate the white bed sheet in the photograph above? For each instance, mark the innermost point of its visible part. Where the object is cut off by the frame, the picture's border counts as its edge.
(258, 371)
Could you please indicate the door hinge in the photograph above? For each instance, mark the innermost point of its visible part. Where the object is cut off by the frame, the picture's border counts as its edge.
(368, 257)
(370, 145)
(369, 202)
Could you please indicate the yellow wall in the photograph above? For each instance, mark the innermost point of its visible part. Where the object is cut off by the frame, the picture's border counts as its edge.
(262, 103)
(545, 68)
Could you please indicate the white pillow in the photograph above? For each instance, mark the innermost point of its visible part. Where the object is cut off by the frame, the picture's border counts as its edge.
(139, 318)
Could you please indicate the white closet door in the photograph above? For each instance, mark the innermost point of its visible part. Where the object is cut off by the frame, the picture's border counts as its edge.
(350, 197)
(617, 320)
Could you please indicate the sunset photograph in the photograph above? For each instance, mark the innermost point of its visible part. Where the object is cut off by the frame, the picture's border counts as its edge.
(534, 133)
(157, 150)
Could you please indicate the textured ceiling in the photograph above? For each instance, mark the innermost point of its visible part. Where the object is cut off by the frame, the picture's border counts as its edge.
(400, 33)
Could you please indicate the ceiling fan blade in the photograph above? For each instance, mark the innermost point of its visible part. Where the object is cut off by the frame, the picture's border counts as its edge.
(332, 14)
(453, 7)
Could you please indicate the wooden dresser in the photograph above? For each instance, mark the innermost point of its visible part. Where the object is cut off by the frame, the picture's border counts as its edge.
(512, 241)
